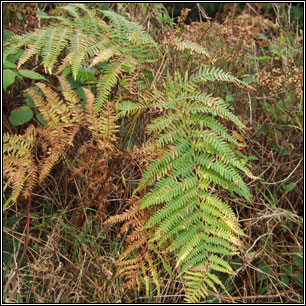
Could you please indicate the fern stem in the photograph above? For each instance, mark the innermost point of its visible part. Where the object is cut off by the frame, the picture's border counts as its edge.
(158, 71)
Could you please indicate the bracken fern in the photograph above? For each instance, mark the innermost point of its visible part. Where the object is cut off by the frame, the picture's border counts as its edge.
(187, 215)
(178, 207)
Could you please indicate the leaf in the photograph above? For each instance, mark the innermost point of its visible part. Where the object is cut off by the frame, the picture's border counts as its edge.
(298, 261)
(8, 64)
(32, 75)
(264, 269)
(237, 136)
(285, 280)
(41, 119)
(252, 157)
(289, 187)
(8, 201)
(250, 80)
(21, 116)
(287, 269)
(8, 78)
(7, 34)
(299, 280)
(41, 14)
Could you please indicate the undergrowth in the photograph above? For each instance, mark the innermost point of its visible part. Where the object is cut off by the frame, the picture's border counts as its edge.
(128, 173)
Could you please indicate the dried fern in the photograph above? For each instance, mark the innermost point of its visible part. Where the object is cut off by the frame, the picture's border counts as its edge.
(19, 166)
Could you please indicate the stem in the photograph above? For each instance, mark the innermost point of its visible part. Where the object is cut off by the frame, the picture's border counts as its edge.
(25, 245)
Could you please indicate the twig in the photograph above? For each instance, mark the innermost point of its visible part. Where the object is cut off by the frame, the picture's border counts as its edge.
(286, 177)
(25, 246)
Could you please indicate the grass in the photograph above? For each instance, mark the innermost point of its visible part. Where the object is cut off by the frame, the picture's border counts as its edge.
(65, 263)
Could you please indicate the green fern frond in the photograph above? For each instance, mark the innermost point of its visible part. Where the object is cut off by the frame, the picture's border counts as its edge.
(15, 43)
(196, 157)
(128, 31)
(206, 73)
(54, 44)
(34, 45)
(128, 108)
(110, 78)
(188, 45)
(79, 44)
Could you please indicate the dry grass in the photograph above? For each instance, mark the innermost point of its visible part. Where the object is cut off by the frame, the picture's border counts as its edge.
(69, 264)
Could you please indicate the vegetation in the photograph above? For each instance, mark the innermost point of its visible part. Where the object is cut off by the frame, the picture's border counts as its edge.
(146, 161)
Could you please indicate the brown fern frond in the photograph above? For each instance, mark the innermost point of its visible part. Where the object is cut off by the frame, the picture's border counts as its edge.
(108, 118)
(29, 52)
(40, 103)
(126, 215)
(104, 55)
(136, 243)
(55, 141)
(90, 115)
(55, 106)
(65, 63)
(19, 168)
(103, 123)
(131, 272)
(71, 99)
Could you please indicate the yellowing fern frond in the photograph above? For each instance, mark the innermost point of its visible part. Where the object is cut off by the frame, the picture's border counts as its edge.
(19, 167)
(196, 157)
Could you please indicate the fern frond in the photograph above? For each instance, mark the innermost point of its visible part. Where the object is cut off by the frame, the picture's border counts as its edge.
(128, 108)
(103, 124)
(79, 45)
(110, 78)
(19, 167)
(108, 126)
(188, 45)
(127, 31)
(15, 43)
(197, 156)
(55, 42)
(206, 73)
(71, 97)
(104, 55)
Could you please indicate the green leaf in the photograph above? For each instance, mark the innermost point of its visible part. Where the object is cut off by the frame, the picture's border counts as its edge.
(285, 280)
(250, 80)
(42, 14)
(32, 75)
(166, 267)
(29, 101)
(265, 269)
(7, 34)
(280, 150)
(41, 119)
(8, 64)
(252, 157)
(287, 269)
(289, 187)
(19, 16)
(126, 68)
(21, 116)
(299, 280)
(298, 261)
(8, 78)
(262, 58)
